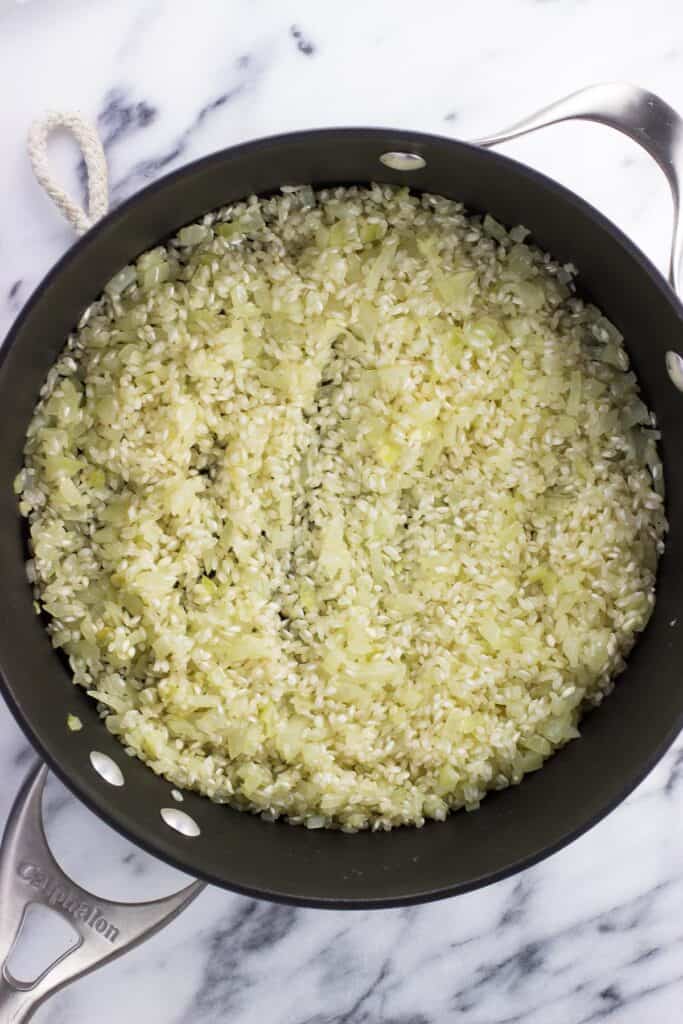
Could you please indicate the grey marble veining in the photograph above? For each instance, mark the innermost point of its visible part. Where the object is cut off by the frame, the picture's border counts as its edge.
(596, 932)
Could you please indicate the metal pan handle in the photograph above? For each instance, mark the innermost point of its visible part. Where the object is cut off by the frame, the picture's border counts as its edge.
(635, 112)
(30, 874)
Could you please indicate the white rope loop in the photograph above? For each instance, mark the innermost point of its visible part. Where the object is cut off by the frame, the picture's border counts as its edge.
(95, 161)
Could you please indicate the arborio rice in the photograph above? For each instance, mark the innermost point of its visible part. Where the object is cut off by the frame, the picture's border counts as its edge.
(344, 507)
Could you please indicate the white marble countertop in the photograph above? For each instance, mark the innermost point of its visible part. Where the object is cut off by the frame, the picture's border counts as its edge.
(596, 932)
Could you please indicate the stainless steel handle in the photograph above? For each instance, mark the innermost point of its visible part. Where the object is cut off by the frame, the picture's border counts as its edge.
(30, 874)
(635, 112)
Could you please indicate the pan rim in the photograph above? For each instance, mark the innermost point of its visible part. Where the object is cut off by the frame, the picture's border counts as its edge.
(78, 786)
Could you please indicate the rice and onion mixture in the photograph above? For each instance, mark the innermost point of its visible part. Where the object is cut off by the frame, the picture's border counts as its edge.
(344, 507)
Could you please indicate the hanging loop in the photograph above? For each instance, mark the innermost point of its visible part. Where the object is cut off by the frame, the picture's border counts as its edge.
(95, 161)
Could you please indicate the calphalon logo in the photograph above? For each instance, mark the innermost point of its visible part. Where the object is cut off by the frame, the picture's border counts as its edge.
(65, 900)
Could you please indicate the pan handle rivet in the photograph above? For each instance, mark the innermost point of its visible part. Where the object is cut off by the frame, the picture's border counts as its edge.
(180, 821)
(403, 161)
(674, 367)
(106, 768)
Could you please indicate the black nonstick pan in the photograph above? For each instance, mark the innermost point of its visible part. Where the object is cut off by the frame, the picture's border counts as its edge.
(621, 740)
